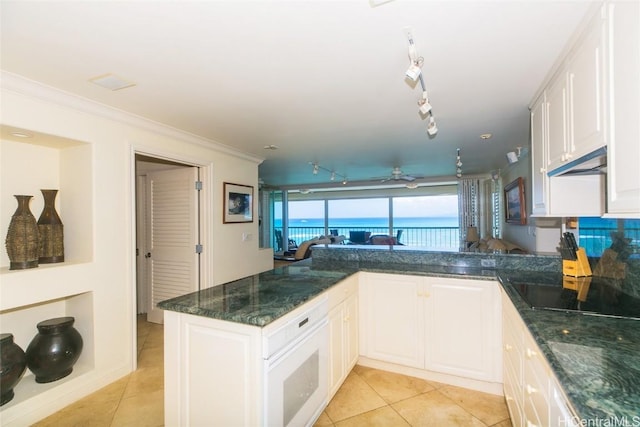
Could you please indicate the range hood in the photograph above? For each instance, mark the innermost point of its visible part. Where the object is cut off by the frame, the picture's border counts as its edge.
(589, 164)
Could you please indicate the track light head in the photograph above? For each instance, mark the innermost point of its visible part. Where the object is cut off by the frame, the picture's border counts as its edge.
(512, 157)
(424, 106)
(413, 72)
(432, 128)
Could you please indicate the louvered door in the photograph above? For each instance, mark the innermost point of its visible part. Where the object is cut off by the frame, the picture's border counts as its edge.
(172, 259)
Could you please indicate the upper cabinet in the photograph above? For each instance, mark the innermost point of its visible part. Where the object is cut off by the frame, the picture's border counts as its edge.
(539, 178)
(576, 97)
(591, 101)
(623, 154)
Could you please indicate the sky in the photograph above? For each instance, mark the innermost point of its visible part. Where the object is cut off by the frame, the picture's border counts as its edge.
(408, 207)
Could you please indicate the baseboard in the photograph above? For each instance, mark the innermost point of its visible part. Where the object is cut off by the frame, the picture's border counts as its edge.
(471, 384)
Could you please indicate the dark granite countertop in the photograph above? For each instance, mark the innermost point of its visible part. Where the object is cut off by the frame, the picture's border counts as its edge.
(595, 358)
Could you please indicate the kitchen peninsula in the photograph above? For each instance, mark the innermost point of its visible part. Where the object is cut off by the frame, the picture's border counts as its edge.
(594, 359)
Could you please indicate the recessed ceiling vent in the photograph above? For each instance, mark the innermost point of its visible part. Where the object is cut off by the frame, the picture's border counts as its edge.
(111, 82)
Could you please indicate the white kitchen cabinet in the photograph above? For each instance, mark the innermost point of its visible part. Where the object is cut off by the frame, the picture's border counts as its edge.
(533, 394)
(539, 178)
(623, 154)
(587, 91)
(462, 328)
(391, 318)
(441, 325)
(569, 119)
(576, 98)
(197, 388)
(343, 331)
(557, 141)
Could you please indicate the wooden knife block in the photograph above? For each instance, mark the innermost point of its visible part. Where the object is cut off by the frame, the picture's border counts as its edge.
(577, 268)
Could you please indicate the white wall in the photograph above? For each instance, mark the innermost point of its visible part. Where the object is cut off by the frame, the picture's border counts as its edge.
(540, 235)
(108, 274)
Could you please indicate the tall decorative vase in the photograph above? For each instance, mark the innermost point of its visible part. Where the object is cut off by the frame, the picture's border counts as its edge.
(52, 353)
(51, 231)
(22, 241)
(13, 363)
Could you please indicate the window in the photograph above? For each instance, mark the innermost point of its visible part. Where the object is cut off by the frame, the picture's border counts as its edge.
(428, 218)
(346, 215)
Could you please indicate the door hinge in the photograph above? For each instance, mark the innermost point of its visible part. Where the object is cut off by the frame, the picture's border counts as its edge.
(198, 185)
(198, 249)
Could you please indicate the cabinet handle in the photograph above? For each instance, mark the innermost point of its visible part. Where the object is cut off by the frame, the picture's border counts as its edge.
(531, 353)
(508, 347)
(346, 318)
(542, 170)
(531, 390)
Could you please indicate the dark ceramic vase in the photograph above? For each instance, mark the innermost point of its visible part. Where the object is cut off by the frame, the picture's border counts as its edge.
(54, 350)
(22, 243)
(12, 365)
(51, 231)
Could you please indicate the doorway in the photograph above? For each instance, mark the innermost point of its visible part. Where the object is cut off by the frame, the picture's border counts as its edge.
(168, 230)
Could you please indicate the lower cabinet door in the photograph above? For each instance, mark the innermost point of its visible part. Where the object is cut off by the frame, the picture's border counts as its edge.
(336, 366)
(463, 334)
(391, 319)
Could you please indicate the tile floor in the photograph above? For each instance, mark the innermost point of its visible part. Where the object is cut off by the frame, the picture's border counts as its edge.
(369, 397)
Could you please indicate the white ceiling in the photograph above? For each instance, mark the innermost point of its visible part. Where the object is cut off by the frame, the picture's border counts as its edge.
(320, 79)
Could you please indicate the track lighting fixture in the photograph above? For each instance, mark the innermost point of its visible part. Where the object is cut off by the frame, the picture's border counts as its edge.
(512, 157)
(333, 174)
(458, 165)
(432, 128)
(423, 104)
(414, 73)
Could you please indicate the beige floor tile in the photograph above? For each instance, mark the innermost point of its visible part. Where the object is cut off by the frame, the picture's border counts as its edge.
(435, 409)
(141, 410)
(323, 421)
(381, 417)
(145, 381)
(150, 356)
(155, 339)
(353, 398)
(393, 387)
(96, 414)
(97, 409)
(488, 408)
(504, 423)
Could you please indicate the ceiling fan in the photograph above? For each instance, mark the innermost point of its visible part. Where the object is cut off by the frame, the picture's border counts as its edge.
(398, 175)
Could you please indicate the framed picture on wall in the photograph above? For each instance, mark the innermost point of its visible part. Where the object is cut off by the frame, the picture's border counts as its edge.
(238, 203)
(514, 205)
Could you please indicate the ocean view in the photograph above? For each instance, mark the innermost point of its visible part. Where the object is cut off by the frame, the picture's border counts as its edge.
(398, 222)
(435, 232)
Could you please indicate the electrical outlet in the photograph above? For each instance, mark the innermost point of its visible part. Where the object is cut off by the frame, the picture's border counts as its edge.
(246, 237)
(488, 263)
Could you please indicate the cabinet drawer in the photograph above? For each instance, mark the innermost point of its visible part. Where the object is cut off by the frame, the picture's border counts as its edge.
(512, 395)
(342, 291)
(536, 385)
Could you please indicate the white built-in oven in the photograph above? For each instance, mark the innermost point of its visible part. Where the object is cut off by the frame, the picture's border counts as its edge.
(295, 362)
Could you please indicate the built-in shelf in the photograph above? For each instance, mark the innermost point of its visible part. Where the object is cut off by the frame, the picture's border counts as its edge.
(29, 163)
(43, 161)
(22, 323)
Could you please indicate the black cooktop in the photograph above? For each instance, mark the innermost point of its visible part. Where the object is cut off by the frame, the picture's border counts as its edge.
(590, 295)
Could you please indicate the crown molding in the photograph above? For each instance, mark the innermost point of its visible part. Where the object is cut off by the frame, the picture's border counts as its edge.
(21, 85)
